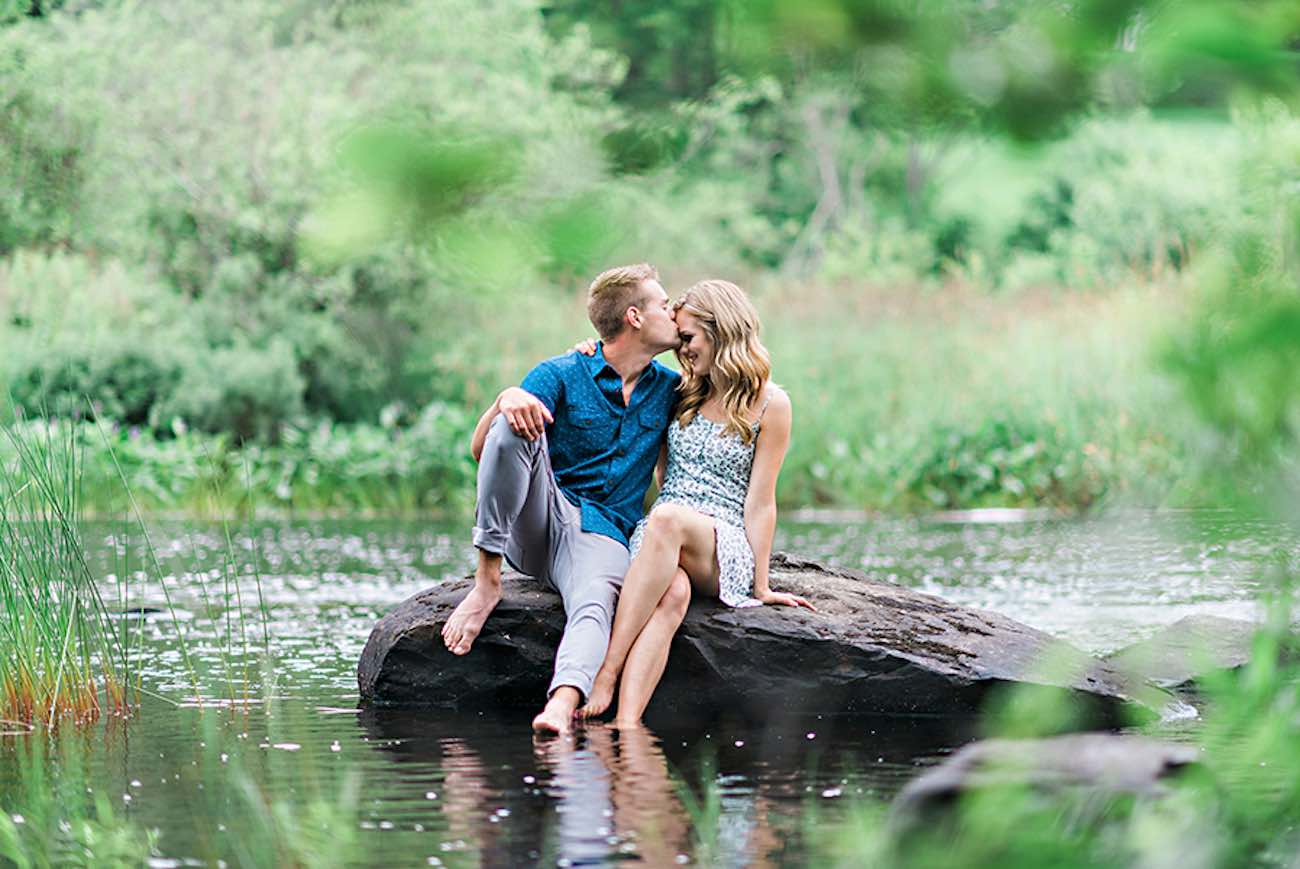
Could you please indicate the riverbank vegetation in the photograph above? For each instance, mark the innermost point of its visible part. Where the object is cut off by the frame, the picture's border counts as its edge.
(322, 271)
(949, 402)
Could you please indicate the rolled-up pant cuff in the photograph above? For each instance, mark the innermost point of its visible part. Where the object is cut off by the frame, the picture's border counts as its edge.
(573, 679)
(489, 541)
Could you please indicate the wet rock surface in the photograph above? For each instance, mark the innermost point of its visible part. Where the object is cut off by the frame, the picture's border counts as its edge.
(1093, 766)
(1178, 656)
(874, 648)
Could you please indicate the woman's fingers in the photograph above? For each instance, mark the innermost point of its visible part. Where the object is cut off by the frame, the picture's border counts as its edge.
(796, 601)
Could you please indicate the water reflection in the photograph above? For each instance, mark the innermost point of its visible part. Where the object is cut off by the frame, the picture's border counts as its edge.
(721, 797)
(602, 795)
(464, 789)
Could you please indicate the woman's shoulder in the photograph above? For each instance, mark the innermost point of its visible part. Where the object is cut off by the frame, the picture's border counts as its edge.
(775, 399)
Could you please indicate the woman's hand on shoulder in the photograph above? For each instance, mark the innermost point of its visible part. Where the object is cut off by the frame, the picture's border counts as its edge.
(587, 347)
(781, 598)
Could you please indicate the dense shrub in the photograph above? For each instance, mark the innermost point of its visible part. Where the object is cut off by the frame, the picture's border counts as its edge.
(121, 382)
(246, 390)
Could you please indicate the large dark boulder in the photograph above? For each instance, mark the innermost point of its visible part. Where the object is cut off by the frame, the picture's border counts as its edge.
(874, 648)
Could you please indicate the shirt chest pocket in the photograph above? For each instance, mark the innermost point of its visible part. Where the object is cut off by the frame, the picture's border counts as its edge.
(591, 430)
(655, 418)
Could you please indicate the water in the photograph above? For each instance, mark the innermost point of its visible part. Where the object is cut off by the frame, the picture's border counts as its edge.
(435, 788)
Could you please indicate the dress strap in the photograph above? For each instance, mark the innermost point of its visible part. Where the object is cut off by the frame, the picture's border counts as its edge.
(762, 410)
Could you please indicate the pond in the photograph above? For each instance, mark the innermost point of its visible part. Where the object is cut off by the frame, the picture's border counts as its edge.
(437, 788)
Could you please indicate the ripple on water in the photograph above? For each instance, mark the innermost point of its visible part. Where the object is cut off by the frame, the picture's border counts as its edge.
(446, 786)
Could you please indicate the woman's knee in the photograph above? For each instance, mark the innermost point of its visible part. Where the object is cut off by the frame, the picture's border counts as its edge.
(678, 595)
(668, 522)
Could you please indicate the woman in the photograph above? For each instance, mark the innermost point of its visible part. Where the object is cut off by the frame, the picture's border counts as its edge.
(710, 529)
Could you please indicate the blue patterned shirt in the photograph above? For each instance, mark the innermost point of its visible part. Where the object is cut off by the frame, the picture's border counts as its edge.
(603, 453)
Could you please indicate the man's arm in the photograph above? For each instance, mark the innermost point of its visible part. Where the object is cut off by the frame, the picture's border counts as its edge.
(480, 431)
(529, 408)
(527, 415)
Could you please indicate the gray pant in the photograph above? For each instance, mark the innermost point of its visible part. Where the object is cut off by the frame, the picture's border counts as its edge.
(522, 514)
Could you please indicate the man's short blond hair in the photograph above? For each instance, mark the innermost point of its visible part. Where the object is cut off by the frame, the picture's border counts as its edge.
(613, 292)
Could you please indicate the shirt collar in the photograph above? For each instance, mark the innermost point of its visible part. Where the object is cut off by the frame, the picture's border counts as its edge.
(597, 364)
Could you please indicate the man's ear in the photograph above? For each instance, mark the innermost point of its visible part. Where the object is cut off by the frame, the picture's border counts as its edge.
(632, 316)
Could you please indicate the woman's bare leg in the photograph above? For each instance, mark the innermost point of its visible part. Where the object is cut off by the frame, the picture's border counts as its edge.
(675, 536)
(645, 663)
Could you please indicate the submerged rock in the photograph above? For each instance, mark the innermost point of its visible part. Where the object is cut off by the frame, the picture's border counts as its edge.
(1178, 656)
(1093, 766)
(874, 648)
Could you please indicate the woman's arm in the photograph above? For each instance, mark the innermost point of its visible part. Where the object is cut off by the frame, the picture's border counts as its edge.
(661, 466)
(760, 500)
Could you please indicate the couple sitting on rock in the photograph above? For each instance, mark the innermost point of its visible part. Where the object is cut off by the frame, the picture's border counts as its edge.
(564, 464)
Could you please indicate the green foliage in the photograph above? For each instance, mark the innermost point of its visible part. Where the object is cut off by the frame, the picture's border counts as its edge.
(279, 221)
(954, 403)
(370, 468)
(671, 47)
(42, 171)
(122, 382)
(1236, 356)
(312, 137)
(250, 392)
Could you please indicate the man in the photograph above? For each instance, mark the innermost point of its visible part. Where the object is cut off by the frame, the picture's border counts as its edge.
(564, 464)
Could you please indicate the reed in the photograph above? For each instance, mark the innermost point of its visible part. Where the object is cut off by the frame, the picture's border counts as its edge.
(64, 653)
(60, 653)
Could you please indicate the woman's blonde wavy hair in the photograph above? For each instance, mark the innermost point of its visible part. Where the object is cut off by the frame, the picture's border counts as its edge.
(741, 365)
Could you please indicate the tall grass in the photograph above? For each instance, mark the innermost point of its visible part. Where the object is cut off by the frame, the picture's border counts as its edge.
(907, 402)
(66, 652)
(60, 653)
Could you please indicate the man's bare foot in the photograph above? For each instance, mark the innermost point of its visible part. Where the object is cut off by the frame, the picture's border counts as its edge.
(467, 619)
(602, 693)
(557, 717)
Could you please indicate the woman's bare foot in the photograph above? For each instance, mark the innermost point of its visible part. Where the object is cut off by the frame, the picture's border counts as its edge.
(556, 718)
(602, 694)
(465, 622)
(628, 722)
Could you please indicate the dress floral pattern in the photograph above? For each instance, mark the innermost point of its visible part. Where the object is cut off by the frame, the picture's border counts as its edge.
(708, 471)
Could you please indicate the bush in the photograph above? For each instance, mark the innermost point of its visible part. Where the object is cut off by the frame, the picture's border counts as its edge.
(121, 382)
(74, 329)
(248, 391)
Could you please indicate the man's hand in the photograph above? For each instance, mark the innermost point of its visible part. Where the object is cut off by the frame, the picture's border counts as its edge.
(527, 416)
